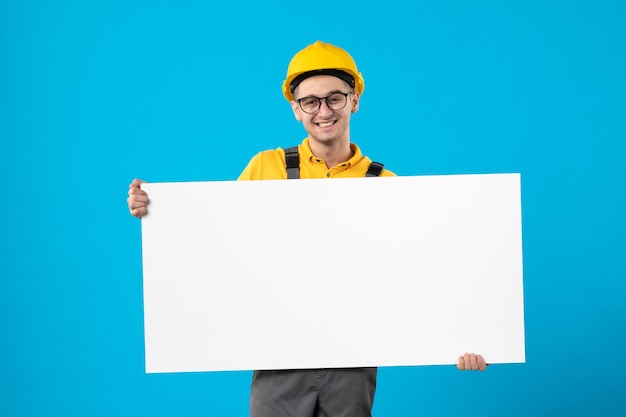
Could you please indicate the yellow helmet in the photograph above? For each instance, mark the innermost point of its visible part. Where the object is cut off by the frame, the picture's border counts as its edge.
(321, 59)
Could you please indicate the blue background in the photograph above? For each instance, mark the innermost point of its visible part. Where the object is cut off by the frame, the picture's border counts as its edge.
(93, 94)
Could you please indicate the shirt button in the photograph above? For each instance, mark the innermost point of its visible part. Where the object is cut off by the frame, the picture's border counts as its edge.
(328, 174)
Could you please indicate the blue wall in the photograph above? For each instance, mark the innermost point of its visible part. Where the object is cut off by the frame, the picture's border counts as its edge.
(93, 94)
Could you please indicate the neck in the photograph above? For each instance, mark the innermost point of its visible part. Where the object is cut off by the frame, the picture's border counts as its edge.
(332, 153)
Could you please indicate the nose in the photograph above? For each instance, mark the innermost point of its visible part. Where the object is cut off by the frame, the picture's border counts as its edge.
(324, 109)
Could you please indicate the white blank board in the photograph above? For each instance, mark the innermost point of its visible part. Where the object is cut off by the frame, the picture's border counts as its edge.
(399, 271)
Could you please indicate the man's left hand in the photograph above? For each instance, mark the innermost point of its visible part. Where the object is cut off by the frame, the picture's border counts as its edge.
(471, 362)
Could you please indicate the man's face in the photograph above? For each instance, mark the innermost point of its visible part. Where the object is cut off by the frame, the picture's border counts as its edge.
(326, 126)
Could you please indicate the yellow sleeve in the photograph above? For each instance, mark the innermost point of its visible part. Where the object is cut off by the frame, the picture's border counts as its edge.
(251, 168)
(266, 165)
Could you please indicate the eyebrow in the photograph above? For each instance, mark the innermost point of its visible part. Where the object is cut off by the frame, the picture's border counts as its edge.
(330, 93)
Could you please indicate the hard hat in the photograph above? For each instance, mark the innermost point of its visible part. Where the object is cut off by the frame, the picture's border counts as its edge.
(321, 59)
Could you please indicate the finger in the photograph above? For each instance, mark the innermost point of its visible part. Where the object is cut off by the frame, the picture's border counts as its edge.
(136, 183)
(474, 362)
(136, 191)
(142, 198)
(133, 204)
(136, 201)
(467, 362)
(460, 363)
(482, 365)
(139, 212)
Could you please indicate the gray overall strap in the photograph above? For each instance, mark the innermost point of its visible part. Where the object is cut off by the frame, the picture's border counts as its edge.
(292, 161)
(374, 170)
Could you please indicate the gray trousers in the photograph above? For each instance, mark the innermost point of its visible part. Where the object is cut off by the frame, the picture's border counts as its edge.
(345, 392)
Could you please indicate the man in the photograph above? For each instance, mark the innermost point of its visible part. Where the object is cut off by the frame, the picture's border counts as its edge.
(324, 87)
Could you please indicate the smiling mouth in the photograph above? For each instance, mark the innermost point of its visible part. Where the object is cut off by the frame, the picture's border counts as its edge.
(326, 124)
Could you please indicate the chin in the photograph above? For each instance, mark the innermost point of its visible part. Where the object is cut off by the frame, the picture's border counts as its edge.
(324, 139)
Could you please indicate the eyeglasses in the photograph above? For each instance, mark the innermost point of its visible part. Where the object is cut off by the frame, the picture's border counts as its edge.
(335, 101)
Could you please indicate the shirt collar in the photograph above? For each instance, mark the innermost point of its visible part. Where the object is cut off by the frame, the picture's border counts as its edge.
(307, 155)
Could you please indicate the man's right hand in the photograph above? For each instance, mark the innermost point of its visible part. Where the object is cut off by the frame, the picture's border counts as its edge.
(137, 199)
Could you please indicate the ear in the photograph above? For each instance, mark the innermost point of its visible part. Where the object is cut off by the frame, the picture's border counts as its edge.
(355, 97)
(296, 110)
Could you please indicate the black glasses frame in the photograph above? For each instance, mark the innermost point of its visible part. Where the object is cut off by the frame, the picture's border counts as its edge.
(325, 99)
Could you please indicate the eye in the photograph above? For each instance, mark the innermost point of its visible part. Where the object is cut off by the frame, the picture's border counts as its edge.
(335, 99)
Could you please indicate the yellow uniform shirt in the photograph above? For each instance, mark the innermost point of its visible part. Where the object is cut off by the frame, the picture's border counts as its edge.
(270, 165)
